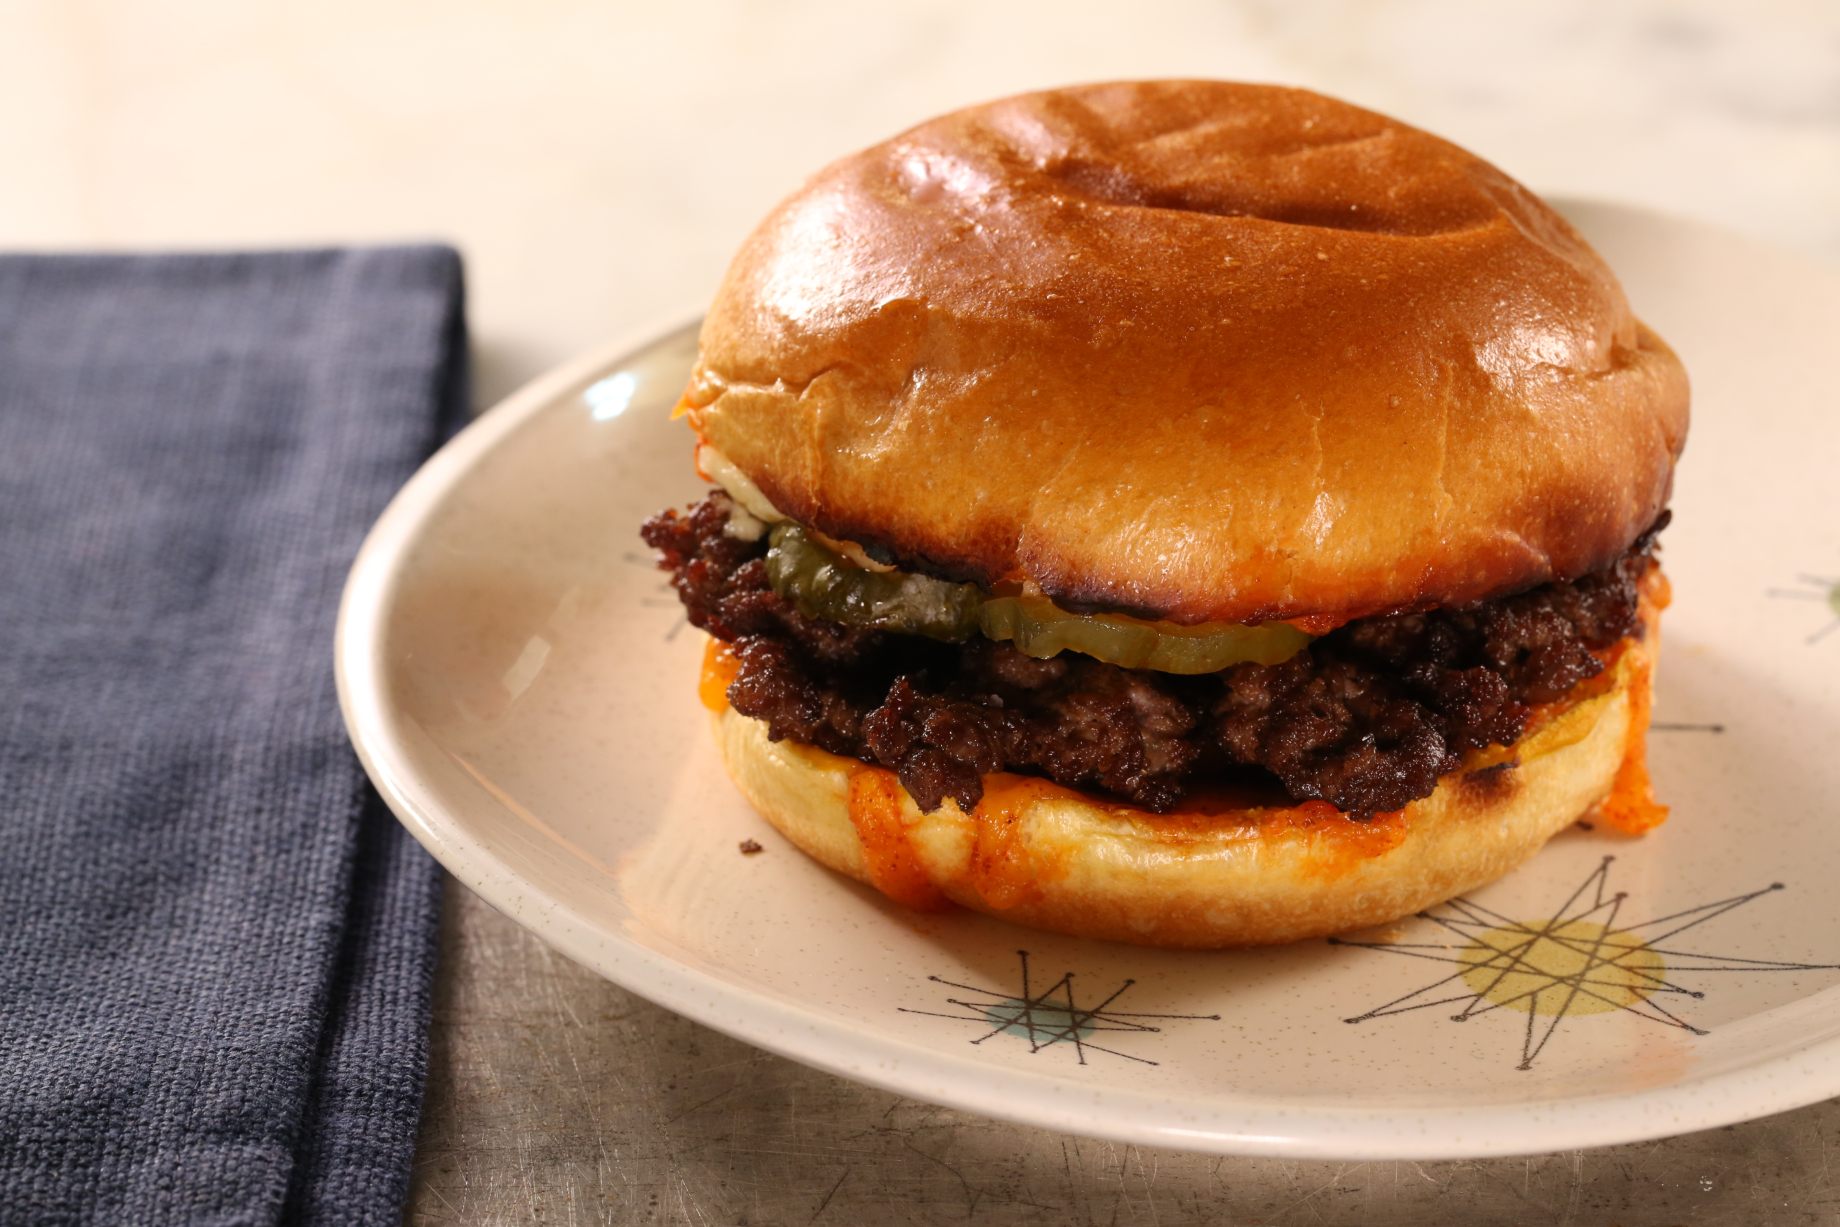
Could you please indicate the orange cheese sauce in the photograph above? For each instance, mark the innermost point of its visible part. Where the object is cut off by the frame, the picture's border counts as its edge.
(1006, 870)
(1631, 806)
(876, 803)
(1345, 840)
(719, 670)
(1003, 870)
(1656, 591)
(1338, 843)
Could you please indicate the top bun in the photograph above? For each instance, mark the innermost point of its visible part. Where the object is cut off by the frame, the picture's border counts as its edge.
(1193, 350)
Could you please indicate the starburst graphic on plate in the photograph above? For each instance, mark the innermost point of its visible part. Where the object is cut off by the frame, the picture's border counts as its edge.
(1823, 588)
(1580, 960)
(1052, 1015)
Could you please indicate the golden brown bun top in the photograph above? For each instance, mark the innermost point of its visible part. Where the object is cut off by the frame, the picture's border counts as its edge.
(1195, 349)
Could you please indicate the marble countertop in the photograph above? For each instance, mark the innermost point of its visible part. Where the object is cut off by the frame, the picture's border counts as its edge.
(597, 163)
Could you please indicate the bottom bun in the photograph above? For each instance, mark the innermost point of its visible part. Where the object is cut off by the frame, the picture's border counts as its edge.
(1206, 875)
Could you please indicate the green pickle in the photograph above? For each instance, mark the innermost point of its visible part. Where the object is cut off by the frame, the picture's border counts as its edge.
(824, 585)
(1040, 628)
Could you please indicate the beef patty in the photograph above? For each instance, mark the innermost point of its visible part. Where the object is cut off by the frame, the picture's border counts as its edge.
(1366, 718)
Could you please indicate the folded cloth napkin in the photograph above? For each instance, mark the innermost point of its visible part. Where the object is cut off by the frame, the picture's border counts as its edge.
(216, 947)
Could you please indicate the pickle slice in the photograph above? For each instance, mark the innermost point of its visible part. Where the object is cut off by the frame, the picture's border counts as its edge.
(1040, 628)
(825, 585)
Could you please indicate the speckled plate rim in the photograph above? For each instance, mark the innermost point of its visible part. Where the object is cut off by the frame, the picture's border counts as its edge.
(1254, 1127)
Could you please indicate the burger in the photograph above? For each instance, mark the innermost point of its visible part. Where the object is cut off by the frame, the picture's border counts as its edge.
(1179, 512)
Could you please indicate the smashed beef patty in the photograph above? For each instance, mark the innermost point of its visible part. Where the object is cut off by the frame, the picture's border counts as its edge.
(1366, 718)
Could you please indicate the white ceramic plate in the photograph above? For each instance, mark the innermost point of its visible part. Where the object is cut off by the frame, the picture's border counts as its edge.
(521, 686)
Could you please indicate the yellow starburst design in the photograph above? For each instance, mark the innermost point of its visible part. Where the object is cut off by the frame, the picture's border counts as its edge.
(1579, 960)
(1580, 967)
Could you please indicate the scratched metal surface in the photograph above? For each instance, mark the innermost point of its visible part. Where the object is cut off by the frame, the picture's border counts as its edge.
(555, 1097)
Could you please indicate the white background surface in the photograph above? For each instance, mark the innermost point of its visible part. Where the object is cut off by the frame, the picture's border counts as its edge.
(598, 162)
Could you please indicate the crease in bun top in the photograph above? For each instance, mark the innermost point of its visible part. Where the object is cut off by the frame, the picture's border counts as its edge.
(1182, 511)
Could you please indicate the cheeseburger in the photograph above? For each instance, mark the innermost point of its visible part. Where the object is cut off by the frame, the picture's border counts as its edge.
(1178, 512)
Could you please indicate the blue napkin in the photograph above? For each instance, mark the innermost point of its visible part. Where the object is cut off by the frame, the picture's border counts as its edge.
(216, 947)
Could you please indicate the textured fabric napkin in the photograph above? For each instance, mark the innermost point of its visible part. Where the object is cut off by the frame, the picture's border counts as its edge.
(216, 947)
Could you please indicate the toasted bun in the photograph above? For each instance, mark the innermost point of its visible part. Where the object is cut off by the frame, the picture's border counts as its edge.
(1196, 350)
(1058, 859)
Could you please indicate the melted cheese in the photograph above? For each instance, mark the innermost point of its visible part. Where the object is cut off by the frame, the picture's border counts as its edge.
(719, 670)
(876, 810)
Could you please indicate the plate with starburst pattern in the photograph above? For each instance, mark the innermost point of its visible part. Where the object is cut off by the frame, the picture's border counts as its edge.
(521, 685)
